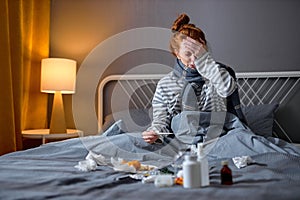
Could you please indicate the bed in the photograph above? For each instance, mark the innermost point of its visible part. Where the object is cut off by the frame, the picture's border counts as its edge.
(269, 101)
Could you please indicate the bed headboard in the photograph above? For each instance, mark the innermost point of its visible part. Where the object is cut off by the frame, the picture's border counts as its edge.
(135, 91)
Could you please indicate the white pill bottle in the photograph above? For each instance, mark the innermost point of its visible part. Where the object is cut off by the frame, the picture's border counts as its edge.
(191, 172)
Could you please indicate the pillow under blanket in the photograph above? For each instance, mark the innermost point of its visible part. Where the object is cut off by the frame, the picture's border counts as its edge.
(260, 118)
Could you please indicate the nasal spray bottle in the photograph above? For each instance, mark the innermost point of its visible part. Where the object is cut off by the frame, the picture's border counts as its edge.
(204, 168)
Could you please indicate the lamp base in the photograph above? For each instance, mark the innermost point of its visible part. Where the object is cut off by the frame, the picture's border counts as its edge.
(58, 123)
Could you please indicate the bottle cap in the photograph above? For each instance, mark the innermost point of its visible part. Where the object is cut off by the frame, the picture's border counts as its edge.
(200, 149)
(224, 162)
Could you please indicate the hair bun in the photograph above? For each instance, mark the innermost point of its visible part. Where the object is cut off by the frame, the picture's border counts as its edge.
(180, 21)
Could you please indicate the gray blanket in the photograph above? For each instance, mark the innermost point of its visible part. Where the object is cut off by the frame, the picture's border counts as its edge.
(47, 172)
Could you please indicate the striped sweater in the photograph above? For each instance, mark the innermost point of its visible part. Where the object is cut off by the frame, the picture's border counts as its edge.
(167, 100)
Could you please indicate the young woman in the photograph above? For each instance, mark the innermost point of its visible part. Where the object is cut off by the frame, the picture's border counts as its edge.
(197, 82)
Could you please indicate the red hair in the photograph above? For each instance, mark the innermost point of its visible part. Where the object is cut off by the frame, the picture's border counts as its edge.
(182, 28)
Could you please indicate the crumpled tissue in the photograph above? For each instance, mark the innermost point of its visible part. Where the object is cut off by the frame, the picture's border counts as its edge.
(91, 161)
(86, 165)
(119, 165)
(98, 158)
(242, 161)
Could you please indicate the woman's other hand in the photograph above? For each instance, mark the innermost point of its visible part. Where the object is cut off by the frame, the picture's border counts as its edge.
(150, 136)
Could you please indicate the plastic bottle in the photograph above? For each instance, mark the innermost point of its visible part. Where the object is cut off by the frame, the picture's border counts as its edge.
(163, 181)
(191, 172)
(226, 174)
(204, 168)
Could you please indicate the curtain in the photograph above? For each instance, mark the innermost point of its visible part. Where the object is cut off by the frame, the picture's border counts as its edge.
(24, 41)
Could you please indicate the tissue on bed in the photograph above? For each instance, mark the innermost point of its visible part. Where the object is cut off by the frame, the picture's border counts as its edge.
(98, 158)
(91, 161)
(86, 165)
(242, 161)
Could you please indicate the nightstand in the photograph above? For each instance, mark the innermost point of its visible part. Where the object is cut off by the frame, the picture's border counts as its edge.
(44, 134)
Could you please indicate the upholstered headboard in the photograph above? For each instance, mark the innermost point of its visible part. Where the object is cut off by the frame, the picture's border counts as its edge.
(135, 91)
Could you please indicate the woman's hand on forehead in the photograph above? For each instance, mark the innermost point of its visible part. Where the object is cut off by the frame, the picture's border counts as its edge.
(196, 48)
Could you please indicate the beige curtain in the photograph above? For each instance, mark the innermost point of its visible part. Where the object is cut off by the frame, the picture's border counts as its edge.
(24, 41)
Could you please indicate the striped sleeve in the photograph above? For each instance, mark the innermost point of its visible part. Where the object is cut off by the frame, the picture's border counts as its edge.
(219, 77)
(161, 117)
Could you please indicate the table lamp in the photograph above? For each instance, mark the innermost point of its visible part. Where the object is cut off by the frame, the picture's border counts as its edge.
(58, 76)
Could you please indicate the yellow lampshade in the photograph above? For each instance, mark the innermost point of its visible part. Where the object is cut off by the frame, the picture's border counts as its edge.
(58, 74)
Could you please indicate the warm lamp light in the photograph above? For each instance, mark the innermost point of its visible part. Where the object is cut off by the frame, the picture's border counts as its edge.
(58, 77)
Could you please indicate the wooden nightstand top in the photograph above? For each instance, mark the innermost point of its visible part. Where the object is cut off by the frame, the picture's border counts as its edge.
(44, 134)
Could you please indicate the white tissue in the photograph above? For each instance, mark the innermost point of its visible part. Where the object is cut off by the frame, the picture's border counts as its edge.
(86, 165)
(91, 161)
(98, 158)
(242, 161)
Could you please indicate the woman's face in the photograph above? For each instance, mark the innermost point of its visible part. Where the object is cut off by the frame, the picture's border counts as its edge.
(186, 56)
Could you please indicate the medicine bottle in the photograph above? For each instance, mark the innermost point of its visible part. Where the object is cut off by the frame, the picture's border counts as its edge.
(226, 174)
(191, 172)
(204, 168)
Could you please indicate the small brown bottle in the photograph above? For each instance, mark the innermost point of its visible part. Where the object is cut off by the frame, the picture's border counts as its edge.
(226, 174)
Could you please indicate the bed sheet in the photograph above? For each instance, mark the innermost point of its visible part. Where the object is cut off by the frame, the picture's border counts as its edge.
(48, 172)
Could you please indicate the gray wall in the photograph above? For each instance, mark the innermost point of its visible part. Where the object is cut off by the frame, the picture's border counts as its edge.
(249, 35)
